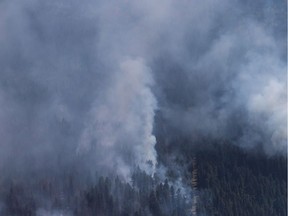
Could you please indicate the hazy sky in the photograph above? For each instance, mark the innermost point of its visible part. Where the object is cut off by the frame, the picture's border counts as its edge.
(81, 81)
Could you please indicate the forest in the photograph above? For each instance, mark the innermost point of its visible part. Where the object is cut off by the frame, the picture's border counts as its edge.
(143, 108)
(230, 181)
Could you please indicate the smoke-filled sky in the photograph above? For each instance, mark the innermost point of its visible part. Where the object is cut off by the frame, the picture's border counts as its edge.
(81, 81)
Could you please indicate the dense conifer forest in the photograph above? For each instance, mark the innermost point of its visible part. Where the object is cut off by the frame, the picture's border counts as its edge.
(230, 181)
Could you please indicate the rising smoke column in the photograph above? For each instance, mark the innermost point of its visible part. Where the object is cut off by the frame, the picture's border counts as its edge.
(75, 88)
(121, 122)
(76, 79)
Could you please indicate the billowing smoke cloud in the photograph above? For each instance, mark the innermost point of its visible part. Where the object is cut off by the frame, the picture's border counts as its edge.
(227, 80)
(121, 121)
(74, 86)
(80, 81)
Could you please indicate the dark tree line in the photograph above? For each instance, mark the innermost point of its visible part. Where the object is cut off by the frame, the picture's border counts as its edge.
(230, 181)
(243, 183)
(144, 196)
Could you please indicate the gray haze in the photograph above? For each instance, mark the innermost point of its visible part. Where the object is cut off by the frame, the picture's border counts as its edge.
(80, 81)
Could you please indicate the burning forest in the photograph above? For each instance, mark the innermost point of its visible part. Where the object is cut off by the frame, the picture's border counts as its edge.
(143, 108)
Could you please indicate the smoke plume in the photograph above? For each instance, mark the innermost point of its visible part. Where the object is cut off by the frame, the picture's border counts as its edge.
(80, 81)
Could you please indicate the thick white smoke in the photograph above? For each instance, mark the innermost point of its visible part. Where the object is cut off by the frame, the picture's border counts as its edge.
(119, 131)
(266, 95)
(230, 83)
(76, 79)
